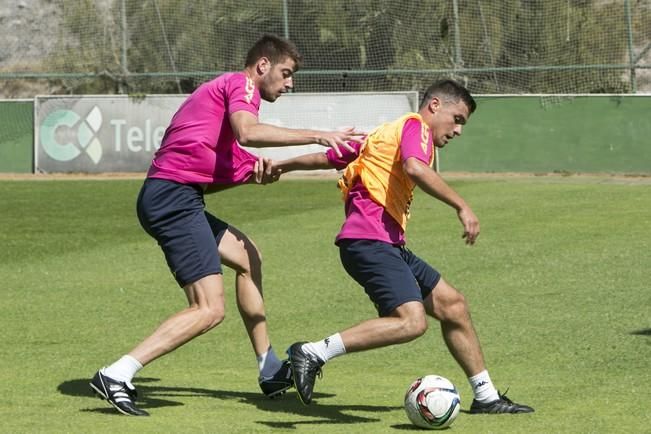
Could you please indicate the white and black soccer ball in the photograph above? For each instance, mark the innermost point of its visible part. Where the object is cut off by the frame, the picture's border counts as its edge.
(432, 402)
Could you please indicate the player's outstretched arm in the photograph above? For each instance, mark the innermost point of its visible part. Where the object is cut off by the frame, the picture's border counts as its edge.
(321, 160)
(265, 170)
(249, 132)
(313, 161)
(431, 183)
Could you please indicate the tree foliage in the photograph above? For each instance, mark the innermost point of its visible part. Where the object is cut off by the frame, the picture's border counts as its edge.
(364, 45)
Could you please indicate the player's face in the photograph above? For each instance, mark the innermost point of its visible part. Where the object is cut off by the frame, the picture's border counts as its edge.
(448, 120)
(278, 79)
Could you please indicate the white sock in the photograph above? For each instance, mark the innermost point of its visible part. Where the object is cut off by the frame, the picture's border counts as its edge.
(124, 369)
(326, 349)
(268, 363)
(482, 387)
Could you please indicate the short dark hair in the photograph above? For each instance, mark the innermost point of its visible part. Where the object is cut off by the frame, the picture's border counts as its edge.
(276, 49)
(449, 90)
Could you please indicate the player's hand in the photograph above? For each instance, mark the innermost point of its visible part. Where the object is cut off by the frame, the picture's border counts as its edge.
(265, 172)
(271, 171)
(470, 224)
(337, 139)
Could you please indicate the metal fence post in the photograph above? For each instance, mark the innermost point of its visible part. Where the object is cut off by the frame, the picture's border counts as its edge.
(631, 56)
(285, 20)
(458, 62)
(125, 66)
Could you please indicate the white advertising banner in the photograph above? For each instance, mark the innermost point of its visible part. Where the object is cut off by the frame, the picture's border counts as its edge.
(97, 134)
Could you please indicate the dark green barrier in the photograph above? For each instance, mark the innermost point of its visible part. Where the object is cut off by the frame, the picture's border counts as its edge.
(589, 134)
(16, 139)
(608, 134)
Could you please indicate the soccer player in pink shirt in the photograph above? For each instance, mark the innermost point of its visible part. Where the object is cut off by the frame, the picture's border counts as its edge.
(377, 185)
(200, 153)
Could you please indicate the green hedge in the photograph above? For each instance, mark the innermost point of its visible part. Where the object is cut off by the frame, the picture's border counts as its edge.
(16, 137)
(610, 134)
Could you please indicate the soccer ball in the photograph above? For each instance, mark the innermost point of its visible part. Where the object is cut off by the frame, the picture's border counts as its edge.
(432, 402)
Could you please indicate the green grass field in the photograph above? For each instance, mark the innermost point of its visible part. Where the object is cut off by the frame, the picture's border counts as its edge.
(558, 286)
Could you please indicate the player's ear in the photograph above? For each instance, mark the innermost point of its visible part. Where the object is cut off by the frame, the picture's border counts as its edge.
(263, 66)
(434, 104)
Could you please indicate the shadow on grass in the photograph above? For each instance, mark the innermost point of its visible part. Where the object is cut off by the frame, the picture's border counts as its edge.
(642, 332)
(153, 396)
(410, 427)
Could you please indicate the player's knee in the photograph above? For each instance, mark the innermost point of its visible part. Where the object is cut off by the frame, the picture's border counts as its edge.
(413, 321)
(455, 307)
(414, 327)
(209, 318)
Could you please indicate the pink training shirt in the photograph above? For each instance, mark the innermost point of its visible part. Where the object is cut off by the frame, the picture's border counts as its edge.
(199, 146)
(365, 218)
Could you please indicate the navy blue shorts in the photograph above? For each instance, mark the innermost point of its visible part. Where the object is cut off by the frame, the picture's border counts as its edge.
(174, 215)
(391, 275)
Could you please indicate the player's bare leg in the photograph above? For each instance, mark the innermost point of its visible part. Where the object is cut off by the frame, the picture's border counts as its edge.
(205, 311)
(238, 252)
(449, 306)
(405, 323)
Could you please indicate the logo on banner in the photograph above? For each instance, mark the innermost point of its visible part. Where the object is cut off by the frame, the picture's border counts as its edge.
(65, 135)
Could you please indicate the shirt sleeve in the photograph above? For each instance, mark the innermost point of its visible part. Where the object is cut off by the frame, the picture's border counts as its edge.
(416, 141)
(241, 94)
(346, 156)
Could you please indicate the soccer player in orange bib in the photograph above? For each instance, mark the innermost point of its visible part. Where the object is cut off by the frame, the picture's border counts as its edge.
(378, 183)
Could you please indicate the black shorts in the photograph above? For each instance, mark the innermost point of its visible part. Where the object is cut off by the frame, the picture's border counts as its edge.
(391, 275)
(174, 215)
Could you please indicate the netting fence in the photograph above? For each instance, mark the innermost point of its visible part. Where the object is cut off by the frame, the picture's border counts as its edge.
(170, 46)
